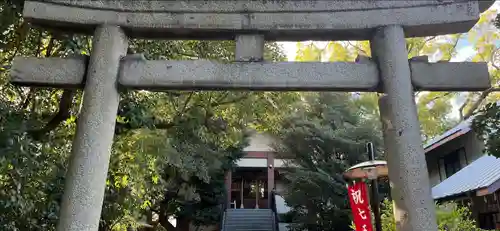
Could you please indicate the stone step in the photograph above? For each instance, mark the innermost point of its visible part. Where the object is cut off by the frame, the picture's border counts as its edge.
(248, 224)
(249, 210)
(266, 226)
(232, 221)
(249, 217)
(248, 213)
(245, 229)
(250, 228)
(249, 220)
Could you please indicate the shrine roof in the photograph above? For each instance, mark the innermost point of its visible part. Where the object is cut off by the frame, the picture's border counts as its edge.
(481, 176)
(462, 128)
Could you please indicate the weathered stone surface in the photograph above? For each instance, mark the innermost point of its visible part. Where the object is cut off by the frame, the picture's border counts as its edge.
(209, 75)
(249, 48)
(150, 75)
(389, 133)
(277, 20)
(88, 166)
(414, 207)
(463, 76)
(52, 72)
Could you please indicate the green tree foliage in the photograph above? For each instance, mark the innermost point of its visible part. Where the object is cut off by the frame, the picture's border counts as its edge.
(486, 124)
(306, 184)
(325, 136)
(31, 175)
(170, 149)
(435, 108)
(485, 37)
(450, 217)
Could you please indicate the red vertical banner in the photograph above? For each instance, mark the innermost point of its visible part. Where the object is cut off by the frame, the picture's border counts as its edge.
(360, 206)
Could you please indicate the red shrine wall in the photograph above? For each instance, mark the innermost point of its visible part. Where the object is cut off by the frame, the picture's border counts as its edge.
(269, 157)
(258, 154)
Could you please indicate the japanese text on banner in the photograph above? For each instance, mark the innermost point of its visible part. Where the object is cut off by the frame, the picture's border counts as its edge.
(360, 207)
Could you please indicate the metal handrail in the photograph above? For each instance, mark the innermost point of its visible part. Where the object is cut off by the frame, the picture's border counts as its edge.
(275, 210)
(223, 220)
(223, 212)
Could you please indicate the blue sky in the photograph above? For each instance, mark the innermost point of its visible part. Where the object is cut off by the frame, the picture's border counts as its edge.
(464, 50)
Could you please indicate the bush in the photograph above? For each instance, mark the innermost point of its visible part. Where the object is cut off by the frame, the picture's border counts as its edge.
(450, 217)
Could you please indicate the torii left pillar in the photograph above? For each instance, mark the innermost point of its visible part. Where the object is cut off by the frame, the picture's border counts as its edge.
(88, 167)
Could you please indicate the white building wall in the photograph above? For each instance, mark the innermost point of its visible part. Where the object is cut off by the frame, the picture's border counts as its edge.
(281, 206)
(252, 162)
(473, 149)
(260, 143)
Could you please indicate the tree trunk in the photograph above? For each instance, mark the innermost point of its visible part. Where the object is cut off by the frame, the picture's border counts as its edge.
(163, 220)
(149, 221)
(167, 225)
(102, 227)
(183, 224)
(478, 102)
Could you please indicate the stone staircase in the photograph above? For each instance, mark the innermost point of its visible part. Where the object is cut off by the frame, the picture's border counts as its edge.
(249, 220)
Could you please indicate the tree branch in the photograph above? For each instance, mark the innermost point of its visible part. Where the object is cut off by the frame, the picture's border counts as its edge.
(220, 98)
(186, 102)
(115, 222)
(173, 102)
(453, 48)
(234, 100)
(50, 46)
(429, 39)
(440, 96)
(165, 125)
(167, 225)
(28, 98)
(461, 109)
(410, 46)
(357, 48)
(40, 43)
(62, 114)
(492, 58)
(479, 101)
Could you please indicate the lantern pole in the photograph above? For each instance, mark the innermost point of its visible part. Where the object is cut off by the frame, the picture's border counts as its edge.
(375, 203)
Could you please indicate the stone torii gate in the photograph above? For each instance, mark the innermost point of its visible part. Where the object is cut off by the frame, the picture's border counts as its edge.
(251, 23)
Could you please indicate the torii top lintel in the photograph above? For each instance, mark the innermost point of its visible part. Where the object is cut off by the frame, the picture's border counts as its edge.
(283, 20)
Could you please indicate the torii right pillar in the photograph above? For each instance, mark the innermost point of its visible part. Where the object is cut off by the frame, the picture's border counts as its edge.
(413, 204)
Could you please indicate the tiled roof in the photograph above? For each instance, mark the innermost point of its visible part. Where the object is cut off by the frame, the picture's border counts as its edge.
(460, 129)
(481, 173)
